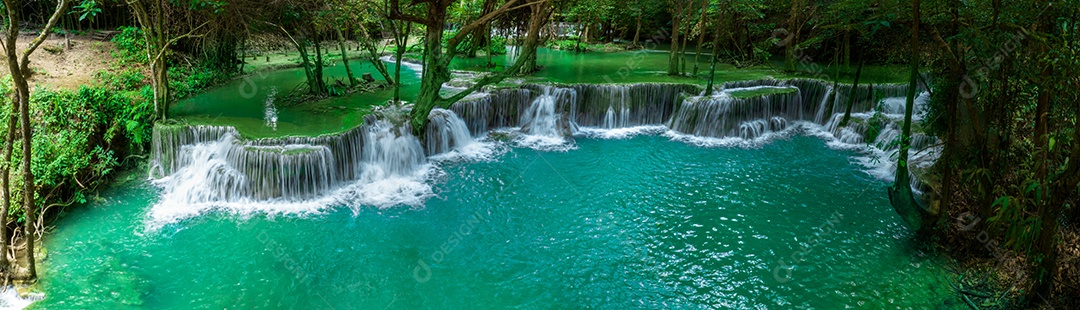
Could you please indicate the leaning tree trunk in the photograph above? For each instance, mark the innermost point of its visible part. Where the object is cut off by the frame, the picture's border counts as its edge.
(900, 194)
(373, 56)
(345, 58)
(852, 95)
(715, 58)
(437, 64)
(637, 31)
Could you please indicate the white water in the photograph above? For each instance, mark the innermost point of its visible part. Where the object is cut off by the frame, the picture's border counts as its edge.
(449, 139)
(270, 113)
(542, 126)
(825, 103)
(10, 299)
(418, 68)
(392, 171)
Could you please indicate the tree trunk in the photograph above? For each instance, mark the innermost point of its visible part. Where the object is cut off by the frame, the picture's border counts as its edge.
(18, 67)
(789, 47)
(373, 55)
(900, 193)
(319, 82)
(637, 31)
(676, 17)
(581, 34)
(345, 58)
(682, 53)
(5, 182)
(401, 38)
(701, 36)
(1046, 243)
(436, 64)
(715, 58)
(851, 96)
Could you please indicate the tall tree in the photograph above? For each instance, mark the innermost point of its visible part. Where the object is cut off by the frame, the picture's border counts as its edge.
(678, 7)
(900, 193)
(437, 57)
(19, 67)
(153, 19)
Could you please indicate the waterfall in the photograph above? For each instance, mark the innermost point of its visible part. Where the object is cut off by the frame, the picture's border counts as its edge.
(541, 117)
(722, 115)
(167, 142)
(390, 151)
(381, 163)
(621, 106)
(499, 109)
(820, 116)
(207, 167)
(445, 132)
(545, 126)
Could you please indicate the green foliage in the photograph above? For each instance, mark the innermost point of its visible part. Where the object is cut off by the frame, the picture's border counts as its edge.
(87, 10)
(184, 81)
(130, 46)
(498, 45)
(129, 78)
(567, 44)
(78, 139)
(874, 126)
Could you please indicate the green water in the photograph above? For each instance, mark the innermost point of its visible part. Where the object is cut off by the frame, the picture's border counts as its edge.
(240, 103)
(616, 224)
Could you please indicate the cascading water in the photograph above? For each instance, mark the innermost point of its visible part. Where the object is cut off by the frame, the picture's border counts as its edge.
(205, 167)
(445, 132)
(541, 118)
(622, 106)
(722, 115)
(270, 113)
(381, 163)
(542, 125)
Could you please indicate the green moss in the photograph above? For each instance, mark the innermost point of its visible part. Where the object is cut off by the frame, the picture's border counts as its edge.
(283, 150)
(744, 94)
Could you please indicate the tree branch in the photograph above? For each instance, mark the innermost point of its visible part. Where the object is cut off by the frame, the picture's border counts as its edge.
(451, 45)
(24, 61)
(165, 46)
(395, 14)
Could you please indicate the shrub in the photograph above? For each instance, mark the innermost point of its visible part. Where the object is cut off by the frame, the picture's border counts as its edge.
(130, 47)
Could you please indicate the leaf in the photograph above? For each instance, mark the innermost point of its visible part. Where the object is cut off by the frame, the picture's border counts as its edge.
(1003, 201)
(1052, 142)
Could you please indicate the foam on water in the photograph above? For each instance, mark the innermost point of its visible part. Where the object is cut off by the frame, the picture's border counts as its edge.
(728, 142)
(10, 299)
(418, 68)
(621, 133)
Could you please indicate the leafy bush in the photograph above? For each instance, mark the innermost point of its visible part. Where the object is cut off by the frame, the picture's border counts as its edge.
(184, 81)
(128, 79)
(78, 139)
(130, 47)
(498, 45)
(565, 44)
